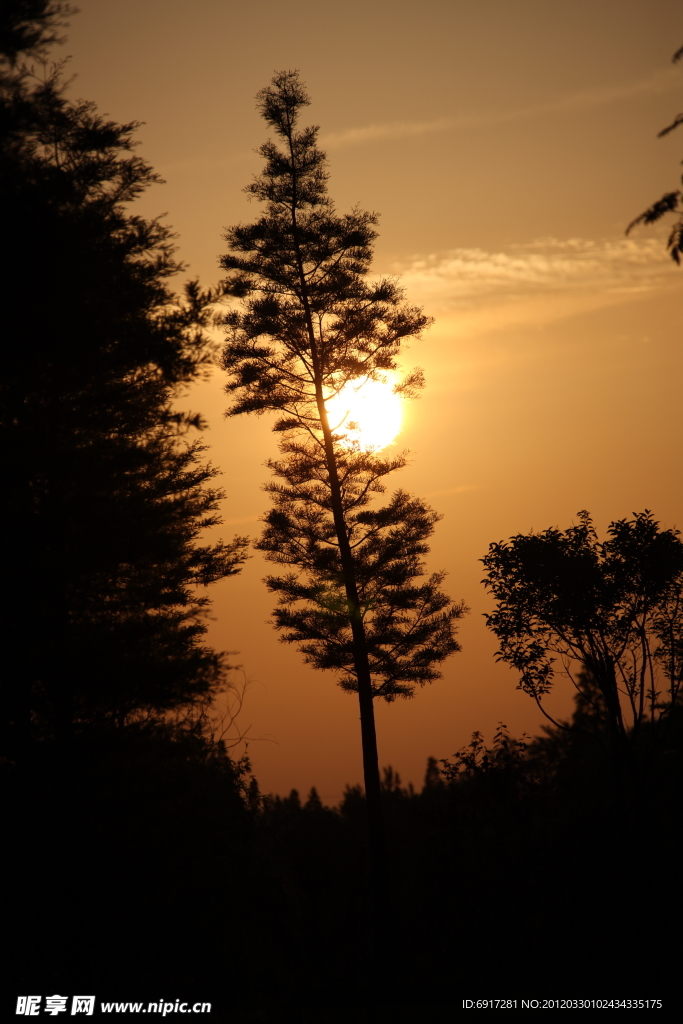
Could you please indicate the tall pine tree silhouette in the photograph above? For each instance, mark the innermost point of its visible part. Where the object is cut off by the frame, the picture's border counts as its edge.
(310, 324)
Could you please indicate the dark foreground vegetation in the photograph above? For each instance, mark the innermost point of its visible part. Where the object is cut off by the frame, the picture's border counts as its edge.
(147, 868)
(139, 861)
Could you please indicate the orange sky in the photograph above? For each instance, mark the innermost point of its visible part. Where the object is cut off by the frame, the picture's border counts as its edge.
(506, 144)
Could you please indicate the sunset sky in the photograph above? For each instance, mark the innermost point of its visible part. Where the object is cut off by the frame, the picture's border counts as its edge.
(506, 144)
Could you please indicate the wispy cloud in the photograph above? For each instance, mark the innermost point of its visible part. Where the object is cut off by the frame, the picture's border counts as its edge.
(464, 277)
(661, 81)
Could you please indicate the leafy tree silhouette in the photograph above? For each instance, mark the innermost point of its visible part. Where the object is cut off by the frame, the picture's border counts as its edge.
(310, 323)
(506, 754)
(105, 495)
(670, 202)
(612, 612)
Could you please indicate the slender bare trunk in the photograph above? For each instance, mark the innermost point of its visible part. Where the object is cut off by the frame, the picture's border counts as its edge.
(381, 913)
(360, 658)
(371, 779)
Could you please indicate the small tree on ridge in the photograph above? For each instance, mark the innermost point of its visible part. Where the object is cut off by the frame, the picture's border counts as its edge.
(610, 612)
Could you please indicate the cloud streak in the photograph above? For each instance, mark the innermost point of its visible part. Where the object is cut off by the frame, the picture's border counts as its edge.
(661, 81)
(468, 277)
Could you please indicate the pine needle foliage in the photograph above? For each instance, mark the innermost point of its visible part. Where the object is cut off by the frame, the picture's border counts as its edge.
(408, 625)
(310, 323)
(106, 495)
(670, 202)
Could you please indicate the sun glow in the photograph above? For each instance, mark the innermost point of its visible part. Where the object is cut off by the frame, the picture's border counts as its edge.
(368, 413)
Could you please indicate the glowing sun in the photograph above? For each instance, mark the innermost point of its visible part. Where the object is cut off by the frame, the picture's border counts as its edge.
(368, 413)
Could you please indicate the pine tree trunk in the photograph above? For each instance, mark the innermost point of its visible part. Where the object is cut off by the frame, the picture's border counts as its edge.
(371, 779)
(379, 933)
(373, 793)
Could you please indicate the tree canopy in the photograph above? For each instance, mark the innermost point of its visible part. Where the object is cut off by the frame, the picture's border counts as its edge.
(310, 323)
(611, 612)
(106, 496)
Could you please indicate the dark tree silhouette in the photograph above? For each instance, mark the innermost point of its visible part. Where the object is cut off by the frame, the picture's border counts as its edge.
(28, 26)
(105, 497)
(311, 323)
(505, 756)
(670, 202)
(612, 612)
